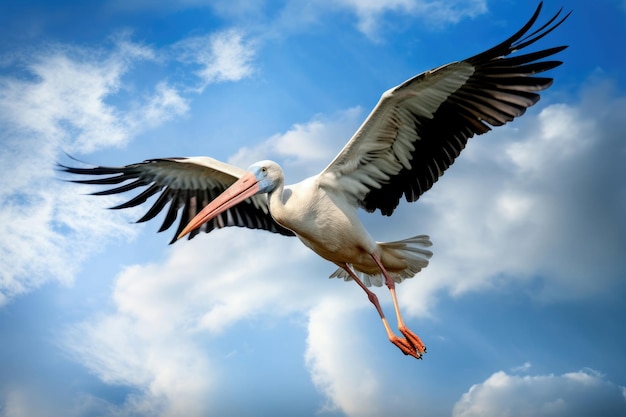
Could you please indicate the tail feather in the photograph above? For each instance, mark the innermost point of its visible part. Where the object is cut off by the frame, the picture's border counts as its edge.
(412, 250)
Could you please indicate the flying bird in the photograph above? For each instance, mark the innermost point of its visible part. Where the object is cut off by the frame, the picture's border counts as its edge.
(412, 136)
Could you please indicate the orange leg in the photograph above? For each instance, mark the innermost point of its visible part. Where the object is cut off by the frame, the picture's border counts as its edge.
(413, 339)
(407, 346)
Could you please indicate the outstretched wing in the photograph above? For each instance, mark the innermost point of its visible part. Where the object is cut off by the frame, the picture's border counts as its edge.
(187, 183)
(418, 128)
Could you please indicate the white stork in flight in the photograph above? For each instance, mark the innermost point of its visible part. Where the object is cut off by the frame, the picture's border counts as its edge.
(412, 136)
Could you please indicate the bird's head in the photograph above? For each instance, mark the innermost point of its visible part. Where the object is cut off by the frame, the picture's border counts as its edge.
(261, 177)
(268, 175)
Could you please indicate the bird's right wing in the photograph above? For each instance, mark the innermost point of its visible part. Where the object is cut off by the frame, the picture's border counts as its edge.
(187, 183)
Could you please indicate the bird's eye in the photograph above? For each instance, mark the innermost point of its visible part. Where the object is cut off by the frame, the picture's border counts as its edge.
(263, 169)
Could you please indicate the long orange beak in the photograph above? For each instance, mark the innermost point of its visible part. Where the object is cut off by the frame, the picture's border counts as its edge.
(244, 187)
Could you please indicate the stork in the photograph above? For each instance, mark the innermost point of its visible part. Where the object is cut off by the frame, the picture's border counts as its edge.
(411, 137)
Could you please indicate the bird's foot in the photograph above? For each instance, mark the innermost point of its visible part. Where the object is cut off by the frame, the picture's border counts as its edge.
(413, 339)
(410, 344)
(406, 347)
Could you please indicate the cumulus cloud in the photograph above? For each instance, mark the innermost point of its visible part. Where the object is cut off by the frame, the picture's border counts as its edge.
(337, 357)
(583, 393)
(537, 205)
(167, 313)
(170, 372)
(347, 356)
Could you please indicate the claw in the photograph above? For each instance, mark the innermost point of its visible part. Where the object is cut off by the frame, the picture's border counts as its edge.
(413, 339)
(406, 347)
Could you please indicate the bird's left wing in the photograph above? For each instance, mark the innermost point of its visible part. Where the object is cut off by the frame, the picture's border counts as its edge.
(187, 183)
(418, 128)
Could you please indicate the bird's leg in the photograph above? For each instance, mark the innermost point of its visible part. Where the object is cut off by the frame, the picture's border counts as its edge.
(405, 345)
(411, 337)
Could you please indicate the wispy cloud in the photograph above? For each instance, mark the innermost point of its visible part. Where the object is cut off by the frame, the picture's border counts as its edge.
(433, 12)
(222, 56)
(60, 104)
(525, 367)
(59, 97)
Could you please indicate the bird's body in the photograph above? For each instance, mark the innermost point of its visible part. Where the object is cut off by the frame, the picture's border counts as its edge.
(322, 221)
(327, 223)
(412, 136)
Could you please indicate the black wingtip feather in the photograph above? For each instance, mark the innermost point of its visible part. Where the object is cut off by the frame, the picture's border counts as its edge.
(521, 39)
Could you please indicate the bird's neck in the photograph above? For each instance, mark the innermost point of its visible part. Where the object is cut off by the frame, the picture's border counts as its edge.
(277, 201)
(276, 198)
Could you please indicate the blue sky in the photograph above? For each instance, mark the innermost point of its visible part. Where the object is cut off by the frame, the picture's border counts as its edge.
(522, 306)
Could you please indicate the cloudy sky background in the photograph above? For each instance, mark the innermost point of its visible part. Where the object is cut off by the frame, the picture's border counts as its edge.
(522, 307)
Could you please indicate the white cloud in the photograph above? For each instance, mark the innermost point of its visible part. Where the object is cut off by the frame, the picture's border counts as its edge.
(434, 12)
(351, 361)
(68, 90)
(372, 14)
(163, 105)
(222, 56)
(583, 393)
(231, 294)
(306, 148)
(46, 231)
(171, 373)
(525, 367)
(337, 358)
